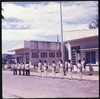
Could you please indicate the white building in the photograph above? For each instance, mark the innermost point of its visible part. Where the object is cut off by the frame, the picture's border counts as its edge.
(82, 44)
(79, 44)
(33, 51)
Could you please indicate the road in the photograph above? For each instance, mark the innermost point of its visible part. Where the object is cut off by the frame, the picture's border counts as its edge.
(41, 87)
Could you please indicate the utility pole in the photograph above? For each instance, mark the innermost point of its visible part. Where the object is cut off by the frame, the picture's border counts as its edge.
(62, 47)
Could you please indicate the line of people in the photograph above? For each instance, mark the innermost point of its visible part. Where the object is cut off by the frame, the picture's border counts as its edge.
(65, 68)
(23, 69)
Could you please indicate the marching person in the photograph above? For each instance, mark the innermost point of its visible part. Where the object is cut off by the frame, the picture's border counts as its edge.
(23, 68)
(40, 68)
(62, 69)
(15, 69)
(79, 67)
(59, 62)
(70, 67)
(27, 69)
(66, 67)
(84, 64)
(53, 69)
(19, 68)
(45, 68)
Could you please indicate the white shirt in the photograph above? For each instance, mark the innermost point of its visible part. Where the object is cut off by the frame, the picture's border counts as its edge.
(79, 65)
(23, 66)
(83, 62)
(69, 65)
(66, 63)
(45, 66)
(39, 64)
(61, 65)
(15, 66)
(27, 66)
(53, 65)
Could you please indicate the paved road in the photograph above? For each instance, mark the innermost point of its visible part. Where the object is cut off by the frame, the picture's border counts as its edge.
(41, 87)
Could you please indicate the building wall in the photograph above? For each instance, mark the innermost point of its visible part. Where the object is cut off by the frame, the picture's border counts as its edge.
(85, 43)
(42, 47)
(35, 60)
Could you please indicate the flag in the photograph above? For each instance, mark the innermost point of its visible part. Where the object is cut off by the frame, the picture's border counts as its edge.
(58, 44)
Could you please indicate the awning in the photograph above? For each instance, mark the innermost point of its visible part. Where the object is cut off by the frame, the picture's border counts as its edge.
(17, 55)
(86, 49)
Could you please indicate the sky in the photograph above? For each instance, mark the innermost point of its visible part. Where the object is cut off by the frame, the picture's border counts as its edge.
(41, 20)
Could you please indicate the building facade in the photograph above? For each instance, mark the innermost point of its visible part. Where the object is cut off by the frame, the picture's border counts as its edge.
(82, 44)
(33, 51)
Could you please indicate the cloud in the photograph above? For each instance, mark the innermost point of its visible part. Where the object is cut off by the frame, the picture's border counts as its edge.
(38, 20)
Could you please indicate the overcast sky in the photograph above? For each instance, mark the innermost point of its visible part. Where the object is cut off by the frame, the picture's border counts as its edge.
(41, 20)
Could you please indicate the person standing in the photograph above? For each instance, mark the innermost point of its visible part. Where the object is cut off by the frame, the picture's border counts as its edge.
(79, 67)
(84, 64)
(40, 68)
(23, 68)
(27, 69)
(59, 62)
(66, 67)
(53, 69)
(15, 69)
(62, 69)
(19, 68)
(70, 67)
(45, 68)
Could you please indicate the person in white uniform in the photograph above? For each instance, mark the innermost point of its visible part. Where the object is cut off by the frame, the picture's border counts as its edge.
(19, 68)
(27, 69)
(62, 69)
(84, 64)
(70, 67)
(15, 69)
(59, 62)
(66, 67)
(40, 68)
(53, 69)
(23, 68)
(45, 68)
(79, 67)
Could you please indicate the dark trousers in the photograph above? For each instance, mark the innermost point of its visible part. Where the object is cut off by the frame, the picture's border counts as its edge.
(19, 71)
(23, 70)
(28, 72)
(84, 67)
(14, 71)
(64, 70)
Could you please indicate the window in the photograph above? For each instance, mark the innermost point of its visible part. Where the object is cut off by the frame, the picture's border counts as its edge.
(75, 50)
(58, 55)
(35, 55)
(43, 54)
(51, 54)
(91, 57)
(26, 53)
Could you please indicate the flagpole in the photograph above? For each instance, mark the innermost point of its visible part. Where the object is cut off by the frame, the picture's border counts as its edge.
(62, 50)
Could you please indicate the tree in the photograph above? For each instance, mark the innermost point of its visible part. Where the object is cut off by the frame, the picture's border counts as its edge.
(94, 23)
(2, 17)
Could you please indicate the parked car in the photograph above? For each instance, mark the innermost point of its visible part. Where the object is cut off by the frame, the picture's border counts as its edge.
(7, 66)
